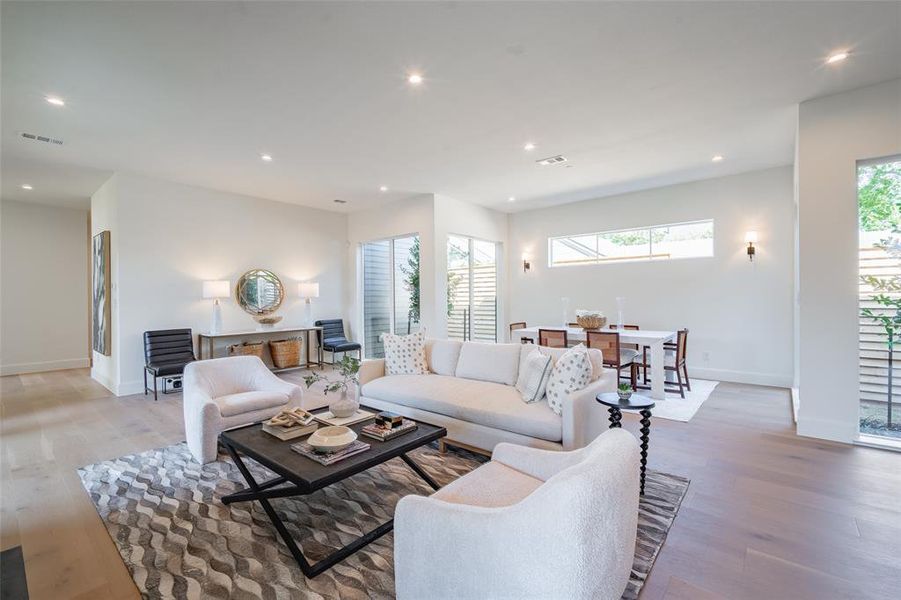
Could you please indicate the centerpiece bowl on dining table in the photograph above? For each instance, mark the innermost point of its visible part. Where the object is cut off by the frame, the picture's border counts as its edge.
(591, 321)
(332, 438)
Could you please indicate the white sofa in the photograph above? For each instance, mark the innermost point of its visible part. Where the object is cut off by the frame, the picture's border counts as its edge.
(470, 391)
(223, 393)
(529, 524)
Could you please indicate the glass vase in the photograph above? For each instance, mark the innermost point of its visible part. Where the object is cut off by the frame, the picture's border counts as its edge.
(346, 403)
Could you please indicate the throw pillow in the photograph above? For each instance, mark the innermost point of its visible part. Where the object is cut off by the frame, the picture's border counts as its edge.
(572, 372)
(533, 376)
(404, 354)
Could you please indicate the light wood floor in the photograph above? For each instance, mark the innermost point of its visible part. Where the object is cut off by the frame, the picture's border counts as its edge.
(767, 515)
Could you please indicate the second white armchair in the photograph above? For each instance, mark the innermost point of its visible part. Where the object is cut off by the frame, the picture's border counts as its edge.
(529, 524)
(223, 393)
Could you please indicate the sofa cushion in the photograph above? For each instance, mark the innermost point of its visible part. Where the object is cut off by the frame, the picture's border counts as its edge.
(571, 373)
(489, 362)
(245, 402)
(492, 485)
(594, 355)
(404, 354)
(442, 356)
(533, 376)
(481, 402)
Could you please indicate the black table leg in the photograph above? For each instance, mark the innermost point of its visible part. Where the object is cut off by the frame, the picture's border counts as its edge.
(616, 416)
(645, 435)
(262, 492)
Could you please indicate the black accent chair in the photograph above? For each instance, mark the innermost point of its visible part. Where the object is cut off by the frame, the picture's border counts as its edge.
(166, 352)
(332, 339)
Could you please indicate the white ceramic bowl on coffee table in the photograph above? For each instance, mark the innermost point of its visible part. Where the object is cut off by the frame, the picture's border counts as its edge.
(332, 438)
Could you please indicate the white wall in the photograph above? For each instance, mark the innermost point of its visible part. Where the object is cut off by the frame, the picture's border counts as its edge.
(833, 134)
(44, 295)
(104, 205)
(739, 314)
(171, 237)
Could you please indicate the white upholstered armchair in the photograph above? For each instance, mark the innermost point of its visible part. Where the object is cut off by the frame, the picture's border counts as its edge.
(529, 524)
(223, 393)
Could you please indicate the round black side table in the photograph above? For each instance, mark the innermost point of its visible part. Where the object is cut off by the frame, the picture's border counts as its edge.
(643, 405)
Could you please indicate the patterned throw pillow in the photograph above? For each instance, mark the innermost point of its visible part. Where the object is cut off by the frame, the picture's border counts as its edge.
(533, 376)
(405, 354)
(572, 372)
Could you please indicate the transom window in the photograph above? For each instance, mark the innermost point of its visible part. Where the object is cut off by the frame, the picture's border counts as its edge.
(656, 242)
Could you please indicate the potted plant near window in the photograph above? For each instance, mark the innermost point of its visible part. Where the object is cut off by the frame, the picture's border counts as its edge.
(624, 391)
(348, 401)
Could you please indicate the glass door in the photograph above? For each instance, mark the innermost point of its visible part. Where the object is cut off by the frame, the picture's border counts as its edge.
(471, 289)
(879, 210)
(390, 291)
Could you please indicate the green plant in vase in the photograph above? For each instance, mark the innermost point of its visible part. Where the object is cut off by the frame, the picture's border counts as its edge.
(624, 391)
(346, 386)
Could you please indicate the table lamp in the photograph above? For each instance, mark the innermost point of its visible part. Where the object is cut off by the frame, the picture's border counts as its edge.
(308, 290)
(216, 289)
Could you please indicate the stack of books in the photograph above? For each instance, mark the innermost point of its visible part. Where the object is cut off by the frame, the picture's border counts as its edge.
(331, 458)
(289, 433)
(384, 432)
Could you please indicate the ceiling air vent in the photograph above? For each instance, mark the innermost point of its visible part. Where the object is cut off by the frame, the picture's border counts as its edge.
(41, 138)
(552, 160)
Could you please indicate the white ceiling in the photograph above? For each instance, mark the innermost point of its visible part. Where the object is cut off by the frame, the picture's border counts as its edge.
(634, 94)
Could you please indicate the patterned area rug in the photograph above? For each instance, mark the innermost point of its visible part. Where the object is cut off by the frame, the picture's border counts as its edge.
(178, 540)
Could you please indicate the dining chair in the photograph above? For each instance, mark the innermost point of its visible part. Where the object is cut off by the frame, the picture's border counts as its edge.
(519, 325)
(679, 366)
(553, 338)
(635, 347)
(615, 356)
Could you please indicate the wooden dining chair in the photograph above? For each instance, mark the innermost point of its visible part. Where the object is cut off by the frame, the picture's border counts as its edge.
(679, 366)
(635, 347)
(553, 338)
(520, 325)
(614, 356)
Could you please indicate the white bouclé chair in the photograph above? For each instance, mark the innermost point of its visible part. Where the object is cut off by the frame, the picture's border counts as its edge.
(223, 393)
(529, 524)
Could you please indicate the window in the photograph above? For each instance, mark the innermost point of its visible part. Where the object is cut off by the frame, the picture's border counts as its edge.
(390, 291)
(471, 289)
(658, 242)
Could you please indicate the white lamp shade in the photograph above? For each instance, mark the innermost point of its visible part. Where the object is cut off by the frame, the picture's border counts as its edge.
(216, 289)
(308, 290)
(751, 237)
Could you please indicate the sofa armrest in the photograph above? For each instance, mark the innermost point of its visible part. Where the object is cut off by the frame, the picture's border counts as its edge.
(583, 417)
(371, 369)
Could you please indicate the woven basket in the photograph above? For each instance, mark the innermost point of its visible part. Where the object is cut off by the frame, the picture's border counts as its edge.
(247, 349)
(591, 322)
(285, 353)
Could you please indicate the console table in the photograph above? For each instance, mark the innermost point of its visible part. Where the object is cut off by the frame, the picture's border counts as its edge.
(262, 335)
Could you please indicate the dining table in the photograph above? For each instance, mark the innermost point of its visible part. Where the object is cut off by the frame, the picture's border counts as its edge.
(654, 339)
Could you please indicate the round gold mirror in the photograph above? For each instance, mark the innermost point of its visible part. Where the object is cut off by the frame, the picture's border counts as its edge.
(259, 292)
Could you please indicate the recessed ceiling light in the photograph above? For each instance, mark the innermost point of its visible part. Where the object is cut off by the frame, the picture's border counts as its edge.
(414, 78)
(27, 186)
(266, 157)
(837, 57)
(383, 188)
(716, 158)
(511, 199)
(529, 147)
(55, 101)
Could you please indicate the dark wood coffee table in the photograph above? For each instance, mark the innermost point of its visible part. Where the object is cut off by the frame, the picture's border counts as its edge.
(299, 476)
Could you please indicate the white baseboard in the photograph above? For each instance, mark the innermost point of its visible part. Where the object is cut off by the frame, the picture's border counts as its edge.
(103, 380)
(40, 367)
(749, 377)
(128, 388)
(796, 404)
(827, 429)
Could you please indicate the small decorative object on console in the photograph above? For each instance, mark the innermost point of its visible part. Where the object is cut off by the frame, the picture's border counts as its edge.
(624, 391)
(268, 321)
(590, 319)
(383, 433)
(347, 403)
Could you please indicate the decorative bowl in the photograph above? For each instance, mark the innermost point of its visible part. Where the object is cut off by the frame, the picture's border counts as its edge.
(591, 321)
(268, 321)
(332, 438)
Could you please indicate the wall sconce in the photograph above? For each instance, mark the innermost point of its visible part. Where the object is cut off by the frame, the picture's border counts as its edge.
(526, 265)
(751, 239)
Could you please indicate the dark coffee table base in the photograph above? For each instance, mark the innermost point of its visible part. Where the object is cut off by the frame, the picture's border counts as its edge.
(266, 490)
